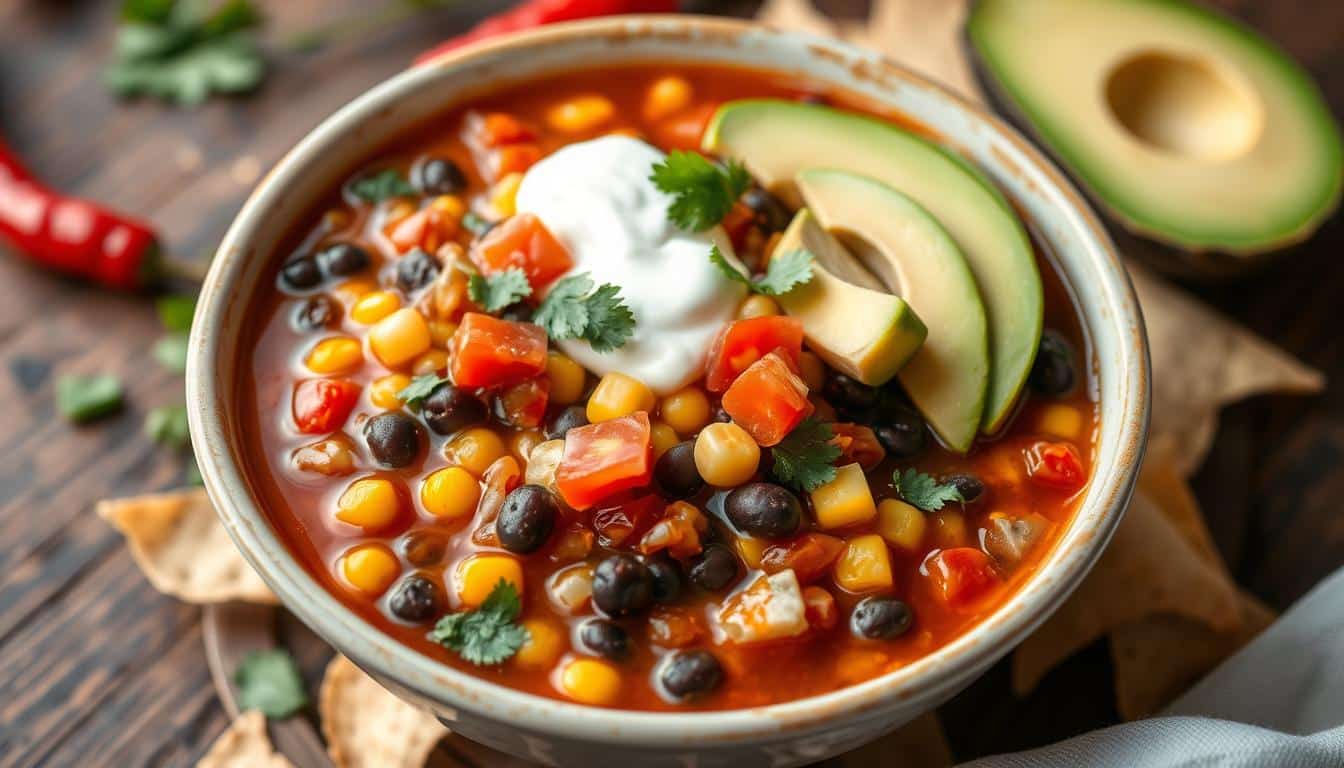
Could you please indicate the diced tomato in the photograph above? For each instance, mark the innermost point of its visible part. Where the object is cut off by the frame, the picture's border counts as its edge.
(523, 242)
(960, 577)
(685, 129)
(809, 555)
(768, 400)
(857, 444)
(321, 406)
(743, 342)
(523, 405)
(622, 520)
(489, 352)
(1056, 465)
(515, 158)
(496, 129)
(427, 229)
(603, 459)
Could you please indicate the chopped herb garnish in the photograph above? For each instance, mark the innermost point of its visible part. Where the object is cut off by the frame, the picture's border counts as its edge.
(171, 352)
(175, 312)
(269, 681)
(923, 491)
(476, 225)
(786, 271)
(703, 192)
(804, 459)
(85, 398)
(487, 635)
(574, 309)
(167, 425)
(497, 291)
(419, 389)
(380, 186)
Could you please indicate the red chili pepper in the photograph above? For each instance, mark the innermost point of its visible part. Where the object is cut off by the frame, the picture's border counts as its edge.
(536, 13)
(72, 235)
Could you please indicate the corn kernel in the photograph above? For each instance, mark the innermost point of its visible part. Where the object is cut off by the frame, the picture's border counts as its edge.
(901, 524)
(663, 437)
(450, 493)
(1062, 421)
(846, 500)
(335, 355)
(545, 642)
(449, 205)
(757, 306)
(370, 503)
(725, 455)
(431, 361)
(477, 576)
(812, 371)
(686, 410)
(618, 395)
(383, 391)
(949, 530)
(504, 195)
(370, 568)
(580, 114)
(441, 332)
(865, 565)
(751, 549)
(400, 337)
(666, 97)
(374, 306)
(475, 450)
(354, 289)
(589, 681)
(568, 379)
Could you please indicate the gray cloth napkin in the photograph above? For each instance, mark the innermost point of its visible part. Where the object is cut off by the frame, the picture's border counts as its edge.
(1278, 703)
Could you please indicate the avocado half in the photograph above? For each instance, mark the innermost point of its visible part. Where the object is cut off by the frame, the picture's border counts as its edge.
(1189, 127)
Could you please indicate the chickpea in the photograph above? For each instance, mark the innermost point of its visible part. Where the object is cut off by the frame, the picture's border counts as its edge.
(663, 438)
(725, 455)
(567, 379)
(758, 306)
(685, 410)
(475, 450)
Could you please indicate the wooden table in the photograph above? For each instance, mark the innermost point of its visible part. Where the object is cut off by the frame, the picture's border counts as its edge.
(98, 668)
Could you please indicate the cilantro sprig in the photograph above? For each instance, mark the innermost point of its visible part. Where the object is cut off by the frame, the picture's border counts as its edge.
(377, 187)
(487, 635)
(82, 399)
(804, 459)
(921, 490)
(421, 387)
(785, 272)
(577, 309)
(167, 426)
(497, 291)
(269, 681)
(703, 192)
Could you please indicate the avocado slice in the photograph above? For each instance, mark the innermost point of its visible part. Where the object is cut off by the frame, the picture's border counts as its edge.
(1191, 128)
(776, 139)
(863, 332)
(911, 252)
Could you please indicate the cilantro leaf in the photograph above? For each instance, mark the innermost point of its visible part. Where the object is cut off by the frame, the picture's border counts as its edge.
(923, 491)
(167, 425)
(269, 681)
(420, 388)
(804, 458)
(85, 398)
(378, 187)
(497, 291)
(487, 635)
(785, 272)
(575, 309)
(476, 225)
(171, 352)
(703, 192)
(175, 312)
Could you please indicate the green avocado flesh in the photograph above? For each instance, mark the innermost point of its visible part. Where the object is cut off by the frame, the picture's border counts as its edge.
(912, 254)
(863, 332)
(778, 139)
(1188, 126)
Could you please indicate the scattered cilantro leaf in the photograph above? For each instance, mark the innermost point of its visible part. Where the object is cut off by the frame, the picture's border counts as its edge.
(269, 681)
(171, 352)
(420, 388)
(167, 425)
(785, 272)
(804, 459)
(923, 491)
(487, 635)
(703, 192)
(575, 309)
(379, 186)
(475, 224)
(175, 312)
(497, 291)
(85, 398)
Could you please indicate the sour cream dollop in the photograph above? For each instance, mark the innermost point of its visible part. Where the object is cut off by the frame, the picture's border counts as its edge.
(596, 198)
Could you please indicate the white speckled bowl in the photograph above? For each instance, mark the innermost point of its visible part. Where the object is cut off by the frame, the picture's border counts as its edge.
(560, 733)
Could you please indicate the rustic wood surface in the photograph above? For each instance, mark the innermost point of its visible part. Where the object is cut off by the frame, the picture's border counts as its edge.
(98, 668)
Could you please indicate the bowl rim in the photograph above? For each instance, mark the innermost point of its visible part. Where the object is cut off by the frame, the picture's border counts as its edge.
(935, 674)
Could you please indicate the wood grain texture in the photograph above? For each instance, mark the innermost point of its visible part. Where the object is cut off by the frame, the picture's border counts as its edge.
(98, 669)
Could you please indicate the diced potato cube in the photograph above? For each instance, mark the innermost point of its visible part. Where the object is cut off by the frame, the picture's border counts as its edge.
(571, 589)
(1062, 421)
(751, 550)
(769, 609)
(477, 576)
(950, 530)
(846, 500)
(865, 565)
(901, 524)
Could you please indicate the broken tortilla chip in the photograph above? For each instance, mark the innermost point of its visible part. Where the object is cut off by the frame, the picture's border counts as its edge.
(244, 744)
(182, 548)
(367, 726)
(796, 16)
(920, 744)
(924, 36)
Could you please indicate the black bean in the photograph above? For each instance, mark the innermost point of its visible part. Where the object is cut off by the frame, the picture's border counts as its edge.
(764, 509)
(880, 618)
(438, 176)
(970, 486)
(666, 575)
(527, 519)
(622, 586)
(567, 419)
(714, 568)
(393, 438)
(605, 638)
(1053, 372)
(518, 312)
(849, 394)
(903, 434)
(449, 409)
(676, 473)
(424, 548)
(415, 599)
(415, 270)
(767, 211)
(689, 674)
(720, 415)
(301, 273)
(316, 313)
(342, 259)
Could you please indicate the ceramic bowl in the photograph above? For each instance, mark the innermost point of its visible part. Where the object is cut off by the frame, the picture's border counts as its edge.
(559, 733)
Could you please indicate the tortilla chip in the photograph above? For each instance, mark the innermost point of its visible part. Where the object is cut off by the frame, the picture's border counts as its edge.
(920, 743)
(1162, 484)
(244, 744)
(182, 548)
(796, 16)
(368, 727)
(924, 36)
